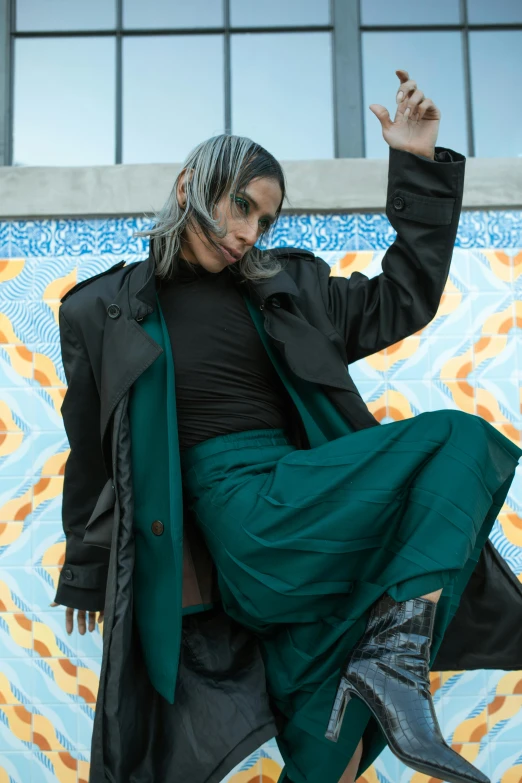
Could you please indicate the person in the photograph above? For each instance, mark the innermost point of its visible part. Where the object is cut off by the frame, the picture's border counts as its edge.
(345, 555)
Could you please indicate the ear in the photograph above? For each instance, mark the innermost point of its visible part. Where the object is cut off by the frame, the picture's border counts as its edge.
(180, 188)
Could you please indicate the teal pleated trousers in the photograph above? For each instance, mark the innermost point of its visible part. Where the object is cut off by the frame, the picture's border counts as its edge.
(305, 541)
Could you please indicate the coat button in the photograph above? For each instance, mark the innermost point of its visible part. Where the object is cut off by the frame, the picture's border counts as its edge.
(157, 527)
(275, 302)
(68, 574)
(113, 311)
(139, 318)
(398, 203)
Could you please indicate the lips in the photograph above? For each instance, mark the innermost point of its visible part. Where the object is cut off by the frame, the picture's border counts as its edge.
(236, 255)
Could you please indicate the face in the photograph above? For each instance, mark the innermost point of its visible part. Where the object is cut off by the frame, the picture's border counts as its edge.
(246, 217)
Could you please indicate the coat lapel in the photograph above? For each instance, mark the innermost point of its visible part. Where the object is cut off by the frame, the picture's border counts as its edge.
(127, 348)
(309, 353)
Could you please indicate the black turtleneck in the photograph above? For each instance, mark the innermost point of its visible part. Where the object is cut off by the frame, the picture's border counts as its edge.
(225, 381)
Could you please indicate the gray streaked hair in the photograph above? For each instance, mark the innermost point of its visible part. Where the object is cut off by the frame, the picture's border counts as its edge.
(221, 164)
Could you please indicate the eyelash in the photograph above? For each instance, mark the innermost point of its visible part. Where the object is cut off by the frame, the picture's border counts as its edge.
(246, 204)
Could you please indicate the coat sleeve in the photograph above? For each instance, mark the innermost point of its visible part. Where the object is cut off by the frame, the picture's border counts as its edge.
(423, 203)
(83, 576)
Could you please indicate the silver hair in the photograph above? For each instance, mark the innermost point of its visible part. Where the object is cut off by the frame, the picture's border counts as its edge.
(220, 164)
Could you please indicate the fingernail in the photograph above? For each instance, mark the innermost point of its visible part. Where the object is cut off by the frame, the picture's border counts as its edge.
(400, 96)
(407, 111)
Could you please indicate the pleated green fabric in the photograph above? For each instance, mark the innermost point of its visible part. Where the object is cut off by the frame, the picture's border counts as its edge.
(305, 541)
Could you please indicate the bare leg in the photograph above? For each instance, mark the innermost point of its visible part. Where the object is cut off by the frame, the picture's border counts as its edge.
(350, 772)
(433, 596)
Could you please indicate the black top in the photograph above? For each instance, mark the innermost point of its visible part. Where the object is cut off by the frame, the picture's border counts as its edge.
(225, 380)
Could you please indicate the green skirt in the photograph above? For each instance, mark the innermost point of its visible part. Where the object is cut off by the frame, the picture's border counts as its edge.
(305, 541)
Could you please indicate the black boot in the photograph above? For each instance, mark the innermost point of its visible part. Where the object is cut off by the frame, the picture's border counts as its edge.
(388, 670)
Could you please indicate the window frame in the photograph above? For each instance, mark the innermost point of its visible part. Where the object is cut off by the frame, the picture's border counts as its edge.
(347, 67)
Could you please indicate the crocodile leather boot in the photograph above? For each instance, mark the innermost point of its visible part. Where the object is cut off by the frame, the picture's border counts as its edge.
(388, 669)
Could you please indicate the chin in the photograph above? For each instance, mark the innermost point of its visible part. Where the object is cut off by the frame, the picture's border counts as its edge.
(215, 264)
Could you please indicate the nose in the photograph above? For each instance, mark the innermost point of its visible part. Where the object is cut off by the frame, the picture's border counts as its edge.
(246, 234)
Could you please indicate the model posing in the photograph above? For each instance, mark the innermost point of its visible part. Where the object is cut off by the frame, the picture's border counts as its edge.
(244, 491)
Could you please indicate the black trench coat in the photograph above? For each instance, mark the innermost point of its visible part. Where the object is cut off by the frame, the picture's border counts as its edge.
(319, 324)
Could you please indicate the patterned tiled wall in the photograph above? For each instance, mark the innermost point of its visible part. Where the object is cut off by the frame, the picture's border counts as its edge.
(469, 357)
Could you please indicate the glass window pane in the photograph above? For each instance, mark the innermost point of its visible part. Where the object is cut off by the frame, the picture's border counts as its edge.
(420, 54)
(284, 101)
(272, 13)
(65, 15)
(64, 101)
(173, 95)
(496, 59)
(172, 13)
(499, 12)
(405, 12)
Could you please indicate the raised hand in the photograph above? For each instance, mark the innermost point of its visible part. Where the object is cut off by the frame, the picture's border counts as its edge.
(416, 123)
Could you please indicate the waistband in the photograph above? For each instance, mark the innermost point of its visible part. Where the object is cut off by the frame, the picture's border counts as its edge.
(233, 440)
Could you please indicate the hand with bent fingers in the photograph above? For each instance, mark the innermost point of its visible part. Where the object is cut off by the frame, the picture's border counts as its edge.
(416, 123)
(69, 619)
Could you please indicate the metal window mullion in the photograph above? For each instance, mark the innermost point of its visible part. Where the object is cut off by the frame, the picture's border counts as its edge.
(6, 22)
(118, 117)
(227, 74)
(467, 77)
(347, 80)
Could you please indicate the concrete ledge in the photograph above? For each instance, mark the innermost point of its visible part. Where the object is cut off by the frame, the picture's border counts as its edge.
(343, 184)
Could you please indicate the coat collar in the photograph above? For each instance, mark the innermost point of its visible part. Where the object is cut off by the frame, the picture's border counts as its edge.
(142, 286)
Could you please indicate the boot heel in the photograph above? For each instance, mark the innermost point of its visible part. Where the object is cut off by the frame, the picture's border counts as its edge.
(342, 697)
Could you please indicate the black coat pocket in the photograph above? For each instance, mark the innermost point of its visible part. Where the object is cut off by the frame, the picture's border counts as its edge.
(98, 530)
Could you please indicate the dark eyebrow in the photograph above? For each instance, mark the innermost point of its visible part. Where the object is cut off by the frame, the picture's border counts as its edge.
(256, 205)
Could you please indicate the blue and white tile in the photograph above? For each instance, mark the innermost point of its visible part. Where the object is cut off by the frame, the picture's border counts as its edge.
(505, 228)
(32, 238)
(75, 237)
(335, 232)
(5, 238)
(293, 231)
(116, 236)
(374, 232)
(473, 229)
